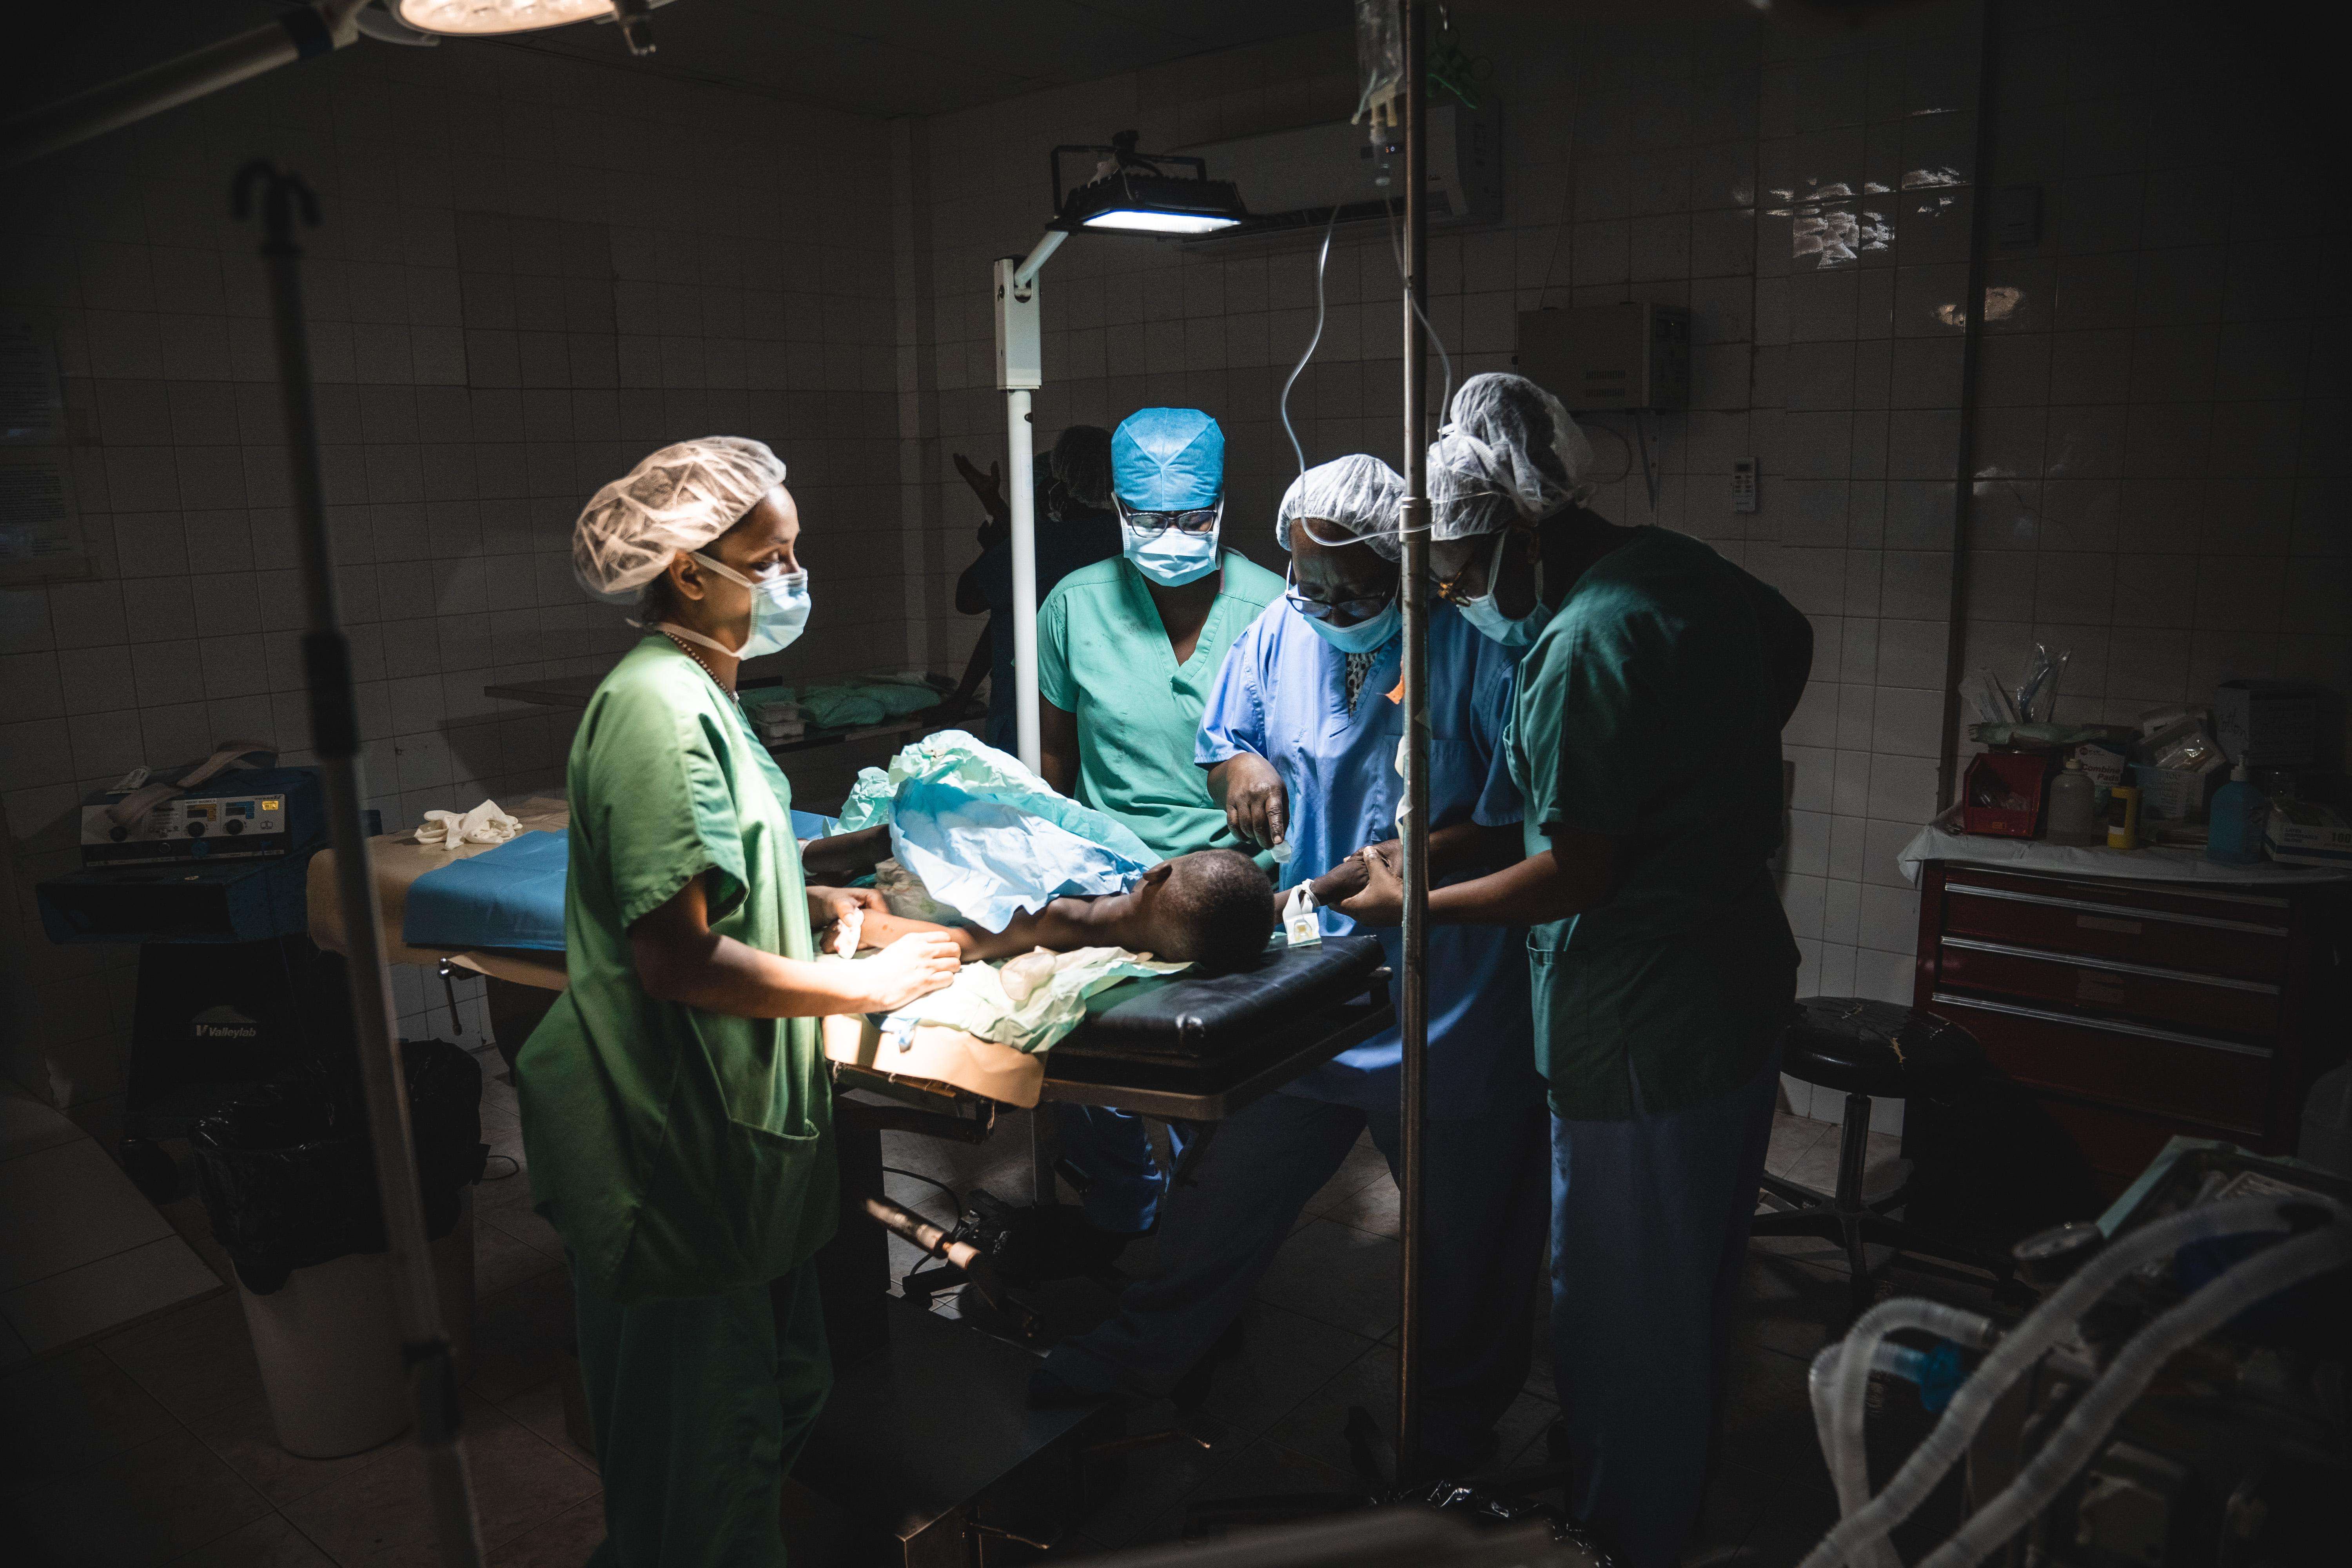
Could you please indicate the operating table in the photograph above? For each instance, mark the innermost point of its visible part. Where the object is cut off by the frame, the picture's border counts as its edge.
(927, 1442)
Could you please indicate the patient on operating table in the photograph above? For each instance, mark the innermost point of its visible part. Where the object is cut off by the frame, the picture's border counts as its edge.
(1213, 908)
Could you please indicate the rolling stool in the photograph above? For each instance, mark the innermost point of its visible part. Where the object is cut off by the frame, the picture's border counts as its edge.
(1871, 1050)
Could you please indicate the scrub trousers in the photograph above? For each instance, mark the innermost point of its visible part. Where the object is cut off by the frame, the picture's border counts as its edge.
(1650, 1222)
(1112, 1150)
(700, 1404)
(1485, 1200)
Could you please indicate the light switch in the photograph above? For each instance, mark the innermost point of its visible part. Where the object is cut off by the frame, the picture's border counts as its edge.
(1743, 484)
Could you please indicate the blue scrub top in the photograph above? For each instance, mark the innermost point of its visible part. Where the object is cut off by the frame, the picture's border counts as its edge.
(1282, 695)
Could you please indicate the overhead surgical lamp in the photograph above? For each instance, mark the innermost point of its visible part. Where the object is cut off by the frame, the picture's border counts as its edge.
(298, 33)
(1127, 193)
(481, 19)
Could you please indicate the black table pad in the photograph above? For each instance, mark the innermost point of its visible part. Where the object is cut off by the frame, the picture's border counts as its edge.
(1193, 1019)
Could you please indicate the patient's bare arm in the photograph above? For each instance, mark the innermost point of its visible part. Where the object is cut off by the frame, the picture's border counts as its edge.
(1061, 925)
(844, 856)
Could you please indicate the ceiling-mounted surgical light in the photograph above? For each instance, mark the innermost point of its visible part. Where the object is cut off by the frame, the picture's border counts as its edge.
(477, 18)
(1131, 193)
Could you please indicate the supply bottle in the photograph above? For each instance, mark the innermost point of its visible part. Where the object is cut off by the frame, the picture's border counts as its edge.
(2123, 817)
(2075, 808)
(2235, 834)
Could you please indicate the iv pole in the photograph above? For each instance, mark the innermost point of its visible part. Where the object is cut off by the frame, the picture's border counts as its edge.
(1413, 1012)
(335, 738)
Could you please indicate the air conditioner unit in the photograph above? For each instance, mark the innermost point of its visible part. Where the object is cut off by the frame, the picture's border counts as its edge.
(1293, 179)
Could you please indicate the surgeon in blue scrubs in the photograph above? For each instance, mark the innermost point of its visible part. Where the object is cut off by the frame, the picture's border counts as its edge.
(1300, 738)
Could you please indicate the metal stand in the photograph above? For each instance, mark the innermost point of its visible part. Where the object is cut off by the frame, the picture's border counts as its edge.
(334, 732)
(1413, 989)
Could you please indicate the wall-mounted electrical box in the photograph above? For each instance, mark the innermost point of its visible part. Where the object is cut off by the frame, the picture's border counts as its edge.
(1598, 357)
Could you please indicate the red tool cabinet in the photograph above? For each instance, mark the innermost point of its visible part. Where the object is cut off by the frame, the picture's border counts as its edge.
(2124, 1011)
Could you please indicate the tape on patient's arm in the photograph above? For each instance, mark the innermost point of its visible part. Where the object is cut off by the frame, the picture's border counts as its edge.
(848, 931)
(1299, 921)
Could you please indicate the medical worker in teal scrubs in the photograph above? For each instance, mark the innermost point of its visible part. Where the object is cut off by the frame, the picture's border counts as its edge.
(1299, 742)
(1127, 650)
(1646, 739)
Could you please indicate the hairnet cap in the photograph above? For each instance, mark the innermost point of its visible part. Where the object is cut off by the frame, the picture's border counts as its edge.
(1507, 440)
(680, 498)
(1168, 459)
(1358, 496)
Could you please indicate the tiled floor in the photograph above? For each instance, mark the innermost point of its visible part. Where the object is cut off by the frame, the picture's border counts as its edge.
(154, 1445)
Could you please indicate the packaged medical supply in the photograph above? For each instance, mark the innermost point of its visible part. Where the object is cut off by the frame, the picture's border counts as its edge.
(2037, 694)
(2304, 833)
(2267, 723)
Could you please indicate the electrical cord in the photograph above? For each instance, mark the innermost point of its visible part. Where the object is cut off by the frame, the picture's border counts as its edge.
(929, 1181)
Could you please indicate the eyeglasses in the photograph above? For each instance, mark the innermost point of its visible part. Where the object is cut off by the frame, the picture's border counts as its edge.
(1153, 523)
(1348, 612)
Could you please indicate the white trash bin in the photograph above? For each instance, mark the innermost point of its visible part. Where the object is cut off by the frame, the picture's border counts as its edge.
(328, 1344)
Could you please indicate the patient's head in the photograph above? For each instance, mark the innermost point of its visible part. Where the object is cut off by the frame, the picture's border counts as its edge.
(1213, 908)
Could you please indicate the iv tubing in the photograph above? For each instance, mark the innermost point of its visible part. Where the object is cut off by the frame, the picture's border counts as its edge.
(1322, 260)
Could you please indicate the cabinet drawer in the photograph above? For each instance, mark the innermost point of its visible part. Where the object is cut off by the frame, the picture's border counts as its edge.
(2172, 999)
(2244, 944)
(2221, 1085)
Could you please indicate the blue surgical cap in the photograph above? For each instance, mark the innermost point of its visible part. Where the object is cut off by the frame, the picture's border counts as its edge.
(1168, 459)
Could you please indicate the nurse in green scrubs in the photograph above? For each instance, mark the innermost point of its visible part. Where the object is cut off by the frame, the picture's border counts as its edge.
(1126, 652)
(676, 1111)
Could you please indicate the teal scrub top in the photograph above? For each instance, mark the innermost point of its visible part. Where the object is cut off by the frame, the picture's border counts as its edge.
(1649, 712)
(1104, 655)
(678, 1152)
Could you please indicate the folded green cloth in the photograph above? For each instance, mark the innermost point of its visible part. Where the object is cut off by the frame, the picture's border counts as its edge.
(865, 700)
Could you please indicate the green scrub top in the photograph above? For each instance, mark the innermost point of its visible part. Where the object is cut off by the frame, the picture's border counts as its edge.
(1104, 655)
(1649, 712)
(678, 1151)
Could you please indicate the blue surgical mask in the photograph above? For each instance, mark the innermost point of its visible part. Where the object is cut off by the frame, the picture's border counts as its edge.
(1365, 634)
(1170, 556)
(1486, 616)
(780, 611)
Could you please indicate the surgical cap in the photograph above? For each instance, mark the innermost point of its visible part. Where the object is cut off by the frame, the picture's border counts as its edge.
(681, 497)
(1355, 496)
(1168, 459)
(1508, 441)
(1082, 462)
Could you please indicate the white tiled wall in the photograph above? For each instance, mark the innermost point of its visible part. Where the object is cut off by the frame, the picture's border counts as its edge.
(2164, 398)
(533, 271)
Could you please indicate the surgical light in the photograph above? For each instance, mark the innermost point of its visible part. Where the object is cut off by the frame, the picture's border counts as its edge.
(1134, 192)
(1129, 219)
(477, 18)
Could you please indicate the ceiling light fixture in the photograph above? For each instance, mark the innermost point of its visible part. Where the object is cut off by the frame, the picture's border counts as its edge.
(481, 19)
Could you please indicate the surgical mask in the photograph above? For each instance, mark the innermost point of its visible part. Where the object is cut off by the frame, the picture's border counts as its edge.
(780, 612)
(1171, 557)
(1365, 634)
(1488, 618)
